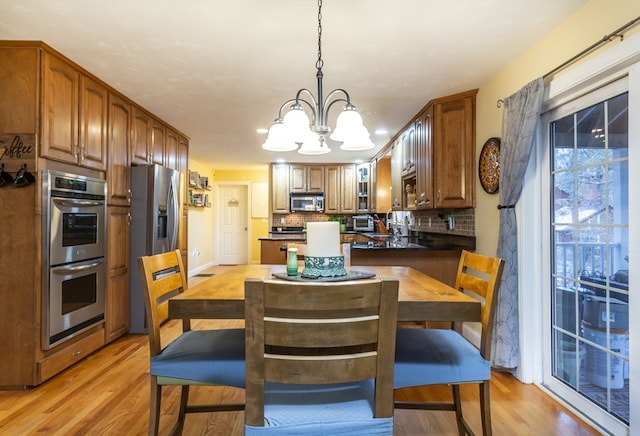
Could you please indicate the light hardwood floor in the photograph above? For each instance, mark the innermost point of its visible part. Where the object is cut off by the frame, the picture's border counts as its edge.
(108, 394)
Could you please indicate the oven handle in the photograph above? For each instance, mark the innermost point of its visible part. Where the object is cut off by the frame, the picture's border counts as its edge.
(71, 202)
(74, 268)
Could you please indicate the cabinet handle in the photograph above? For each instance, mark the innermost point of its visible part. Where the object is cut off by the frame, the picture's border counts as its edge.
(82, 153)
(77, 353)
(129, 198)
(76, 151)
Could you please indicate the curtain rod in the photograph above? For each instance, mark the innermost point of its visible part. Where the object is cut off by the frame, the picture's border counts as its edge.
(618, 33)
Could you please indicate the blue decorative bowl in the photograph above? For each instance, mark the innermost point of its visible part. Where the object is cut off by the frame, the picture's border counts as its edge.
(332, 266)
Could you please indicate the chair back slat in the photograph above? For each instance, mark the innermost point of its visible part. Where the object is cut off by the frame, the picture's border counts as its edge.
(481, 275)
(319, 333)
(162, 277)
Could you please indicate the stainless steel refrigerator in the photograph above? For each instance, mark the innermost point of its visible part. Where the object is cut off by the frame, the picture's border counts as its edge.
(154, 227)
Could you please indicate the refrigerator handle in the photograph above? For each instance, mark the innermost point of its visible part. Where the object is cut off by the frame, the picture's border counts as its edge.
(173, 211)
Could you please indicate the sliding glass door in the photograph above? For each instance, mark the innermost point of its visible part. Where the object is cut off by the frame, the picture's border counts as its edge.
(589, 258)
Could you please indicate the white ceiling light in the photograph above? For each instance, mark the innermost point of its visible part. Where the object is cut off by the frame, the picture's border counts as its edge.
(295, 128)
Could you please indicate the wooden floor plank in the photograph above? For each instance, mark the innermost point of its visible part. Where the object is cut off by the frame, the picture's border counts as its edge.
(108, 393)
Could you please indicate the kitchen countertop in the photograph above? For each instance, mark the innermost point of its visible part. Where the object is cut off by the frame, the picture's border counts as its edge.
(418, 241)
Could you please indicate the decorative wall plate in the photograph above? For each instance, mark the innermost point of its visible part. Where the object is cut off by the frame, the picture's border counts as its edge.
(489, 165)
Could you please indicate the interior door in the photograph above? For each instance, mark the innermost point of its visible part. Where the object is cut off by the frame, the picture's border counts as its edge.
(232, 238)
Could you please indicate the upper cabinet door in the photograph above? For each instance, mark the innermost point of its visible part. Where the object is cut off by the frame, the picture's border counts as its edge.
(60, 110)
(171, 150)
(93, 124)
(306, 178)
(140, 137)
(118, 171)
(280, 188)
(396, 175)
(157, 141)
(74, 124)
(454, 153)
(424, 168)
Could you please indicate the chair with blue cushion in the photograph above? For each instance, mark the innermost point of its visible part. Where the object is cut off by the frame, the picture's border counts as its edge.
(444, 356)
(195, 357)
(320, 357)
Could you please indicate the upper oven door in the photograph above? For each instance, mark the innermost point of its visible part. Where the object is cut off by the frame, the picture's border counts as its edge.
(77, 230)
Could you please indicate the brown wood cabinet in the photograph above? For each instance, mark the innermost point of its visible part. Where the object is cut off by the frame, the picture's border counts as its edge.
(441, 139)
(118, 168)
(409, 149)
(141, 137)
(81, 125)
(397, 191)
(454, 151)
(118, 265)
(74, 122)
(158, 132)
(170, 159)
(381, 185)
(306, 178)
(279, 188)
(340, 189)
(270, 252)
(424, 166)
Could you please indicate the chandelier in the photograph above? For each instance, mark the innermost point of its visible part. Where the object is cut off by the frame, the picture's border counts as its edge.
(295, 130)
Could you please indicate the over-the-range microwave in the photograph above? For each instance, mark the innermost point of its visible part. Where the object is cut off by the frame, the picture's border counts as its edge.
(310, 202)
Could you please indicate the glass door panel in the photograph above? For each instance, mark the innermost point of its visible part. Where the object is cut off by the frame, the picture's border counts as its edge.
(590, 240)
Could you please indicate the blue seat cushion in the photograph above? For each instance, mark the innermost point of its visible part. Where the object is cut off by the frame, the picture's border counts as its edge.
(208, 356)
(336, 409)
(436, 356)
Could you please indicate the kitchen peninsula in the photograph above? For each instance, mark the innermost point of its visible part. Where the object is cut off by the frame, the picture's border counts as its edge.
(434, 254)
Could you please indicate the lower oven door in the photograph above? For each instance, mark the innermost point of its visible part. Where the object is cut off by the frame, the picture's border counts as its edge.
(75, 300)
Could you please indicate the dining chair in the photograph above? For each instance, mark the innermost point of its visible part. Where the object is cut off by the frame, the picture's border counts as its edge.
(444, 356)
(195, 357)
(320, 357)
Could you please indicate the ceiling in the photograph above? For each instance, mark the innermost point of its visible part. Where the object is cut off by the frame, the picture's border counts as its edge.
(218, 70)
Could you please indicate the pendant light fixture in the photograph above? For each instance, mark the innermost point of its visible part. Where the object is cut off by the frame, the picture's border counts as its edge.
(295, 130)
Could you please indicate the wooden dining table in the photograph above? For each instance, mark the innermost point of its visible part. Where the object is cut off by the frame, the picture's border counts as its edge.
(420, 297)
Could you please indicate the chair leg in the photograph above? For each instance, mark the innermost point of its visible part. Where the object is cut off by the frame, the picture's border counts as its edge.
(184, 400)
(154, 408)
(485, 408)
(457, 403)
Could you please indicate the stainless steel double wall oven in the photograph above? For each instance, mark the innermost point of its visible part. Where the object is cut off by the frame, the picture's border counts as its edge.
(74, 231)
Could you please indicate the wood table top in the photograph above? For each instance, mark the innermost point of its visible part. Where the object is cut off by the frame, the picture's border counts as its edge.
(420, 298)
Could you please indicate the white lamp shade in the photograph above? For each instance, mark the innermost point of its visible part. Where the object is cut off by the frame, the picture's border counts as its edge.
(297, 123)
(279, 139)
(358, 140)
(313, 145)
(347, 123)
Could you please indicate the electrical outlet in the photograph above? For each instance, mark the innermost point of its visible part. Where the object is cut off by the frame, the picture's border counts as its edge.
(282, 220)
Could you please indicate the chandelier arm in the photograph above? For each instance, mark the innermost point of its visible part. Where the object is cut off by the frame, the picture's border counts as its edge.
(319, 105)
(284, 105)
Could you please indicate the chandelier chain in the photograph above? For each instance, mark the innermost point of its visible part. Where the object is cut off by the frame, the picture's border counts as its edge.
(320, 62)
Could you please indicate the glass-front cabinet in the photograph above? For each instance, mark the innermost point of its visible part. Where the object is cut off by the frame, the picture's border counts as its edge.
(363, 187)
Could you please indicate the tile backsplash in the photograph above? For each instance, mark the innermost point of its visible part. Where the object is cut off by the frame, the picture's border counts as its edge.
(432, 221)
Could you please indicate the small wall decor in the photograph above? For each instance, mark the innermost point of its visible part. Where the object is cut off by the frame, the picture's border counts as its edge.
(489, 165)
